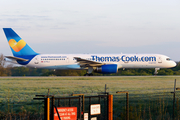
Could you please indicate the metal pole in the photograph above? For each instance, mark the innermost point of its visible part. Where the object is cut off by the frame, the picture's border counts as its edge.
(69, 102)
(89, 108)
(58, 102)
(107, 105)
(127, 103)
(48, 108)
(80, 107)
(99, 100)
(110, 107)
(52, 108)
(57, 112)
(45, 108)
(174, 99)
(127, 106)
(83, 104)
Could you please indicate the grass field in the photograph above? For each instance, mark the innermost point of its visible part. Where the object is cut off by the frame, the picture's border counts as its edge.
(24, 89)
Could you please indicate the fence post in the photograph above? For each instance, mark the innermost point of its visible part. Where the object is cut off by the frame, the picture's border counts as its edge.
(174, 97)
(80, 107)
(46, 108)
(127, 103)
(81, 103)
(52, 108)
(110, 107)
(89, 108)
(127, 106)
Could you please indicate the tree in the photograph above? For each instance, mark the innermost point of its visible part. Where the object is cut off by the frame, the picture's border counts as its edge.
(20, 71)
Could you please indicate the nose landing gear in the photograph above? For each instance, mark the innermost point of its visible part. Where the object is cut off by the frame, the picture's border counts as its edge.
(156, 71)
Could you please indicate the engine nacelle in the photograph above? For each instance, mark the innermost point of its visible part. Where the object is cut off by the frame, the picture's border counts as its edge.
(109, 68)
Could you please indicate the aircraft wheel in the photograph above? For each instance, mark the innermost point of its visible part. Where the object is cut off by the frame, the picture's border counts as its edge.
(86, 74)
(90, 74)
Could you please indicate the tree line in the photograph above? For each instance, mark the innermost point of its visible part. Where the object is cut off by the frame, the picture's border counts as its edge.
(10, 70)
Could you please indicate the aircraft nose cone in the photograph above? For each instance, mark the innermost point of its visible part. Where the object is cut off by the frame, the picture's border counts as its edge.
(174, 64)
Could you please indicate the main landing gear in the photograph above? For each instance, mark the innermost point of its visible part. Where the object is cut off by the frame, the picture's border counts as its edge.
(89, 72)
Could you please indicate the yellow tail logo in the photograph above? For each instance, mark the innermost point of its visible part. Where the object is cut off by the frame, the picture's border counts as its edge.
(17, 46)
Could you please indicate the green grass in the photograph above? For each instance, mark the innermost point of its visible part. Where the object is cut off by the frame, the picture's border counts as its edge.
(22, 90)
(27, 87)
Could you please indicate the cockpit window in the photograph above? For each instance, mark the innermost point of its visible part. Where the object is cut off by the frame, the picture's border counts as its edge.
(168, 59)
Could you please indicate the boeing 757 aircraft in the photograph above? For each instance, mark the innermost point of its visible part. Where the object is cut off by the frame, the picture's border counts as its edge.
(101, 63)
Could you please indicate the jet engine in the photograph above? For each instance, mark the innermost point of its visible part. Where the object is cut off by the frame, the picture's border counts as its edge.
(108, 68)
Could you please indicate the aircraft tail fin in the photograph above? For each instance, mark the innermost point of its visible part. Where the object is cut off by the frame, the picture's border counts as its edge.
(18, 46)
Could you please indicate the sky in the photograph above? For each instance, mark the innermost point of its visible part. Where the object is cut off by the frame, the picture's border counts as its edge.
(94, 26)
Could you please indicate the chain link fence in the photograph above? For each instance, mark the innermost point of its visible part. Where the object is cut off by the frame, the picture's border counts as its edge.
(149, 106)
(157, 106)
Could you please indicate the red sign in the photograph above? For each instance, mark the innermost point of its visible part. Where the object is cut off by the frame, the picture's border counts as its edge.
(66, 113)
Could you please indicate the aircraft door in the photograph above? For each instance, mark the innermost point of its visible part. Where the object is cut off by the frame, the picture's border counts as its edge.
(36, 61)
(67, 60)
(159, 60)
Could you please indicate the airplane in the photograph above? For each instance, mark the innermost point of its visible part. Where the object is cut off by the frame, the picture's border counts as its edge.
(23, 54)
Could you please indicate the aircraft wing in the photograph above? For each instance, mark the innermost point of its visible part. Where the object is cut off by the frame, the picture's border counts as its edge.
(16, 58)
(87, 63)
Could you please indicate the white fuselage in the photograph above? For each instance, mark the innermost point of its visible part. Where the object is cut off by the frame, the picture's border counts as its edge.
(67, 61)
(23, 54)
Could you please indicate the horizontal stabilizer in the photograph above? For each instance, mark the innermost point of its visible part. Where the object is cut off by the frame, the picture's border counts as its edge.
(16, 58)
